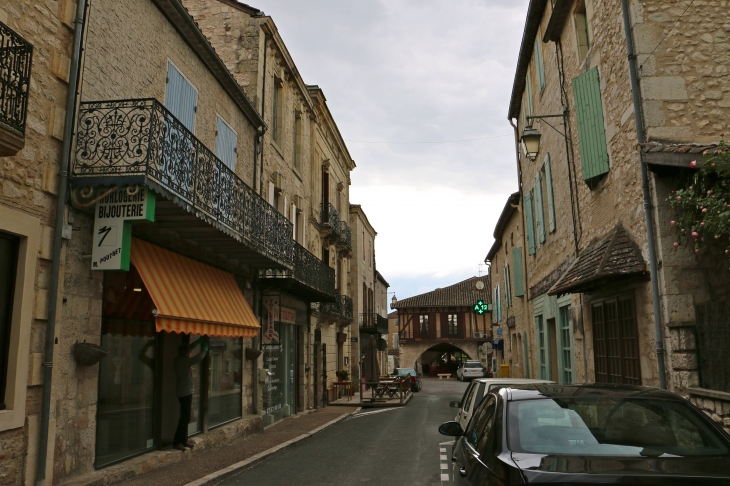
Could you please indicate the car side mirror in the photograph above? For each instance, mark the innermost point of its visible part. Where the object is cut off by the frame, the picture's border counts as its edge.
(455, 404)
(452, 429)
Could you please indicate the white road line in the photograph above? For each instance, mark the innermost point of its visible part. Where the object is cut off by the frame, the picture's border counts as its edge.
(362, 414)
(445, 463)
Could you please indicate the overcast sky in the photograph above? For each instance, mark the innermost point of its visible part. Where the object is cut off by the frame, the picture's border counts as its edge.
(417, 71)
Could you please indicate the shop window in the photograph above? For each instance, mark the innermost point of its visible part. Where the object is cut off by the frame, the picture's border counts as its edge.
(224, 382)
(8, 268)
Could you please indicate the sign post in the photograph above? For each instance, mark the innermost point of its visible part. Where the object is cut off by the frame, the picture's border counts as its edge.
(113, 226)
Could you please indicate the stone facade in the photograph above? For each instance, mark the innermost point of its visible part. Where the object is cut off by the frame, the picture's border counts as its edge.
(684, 89)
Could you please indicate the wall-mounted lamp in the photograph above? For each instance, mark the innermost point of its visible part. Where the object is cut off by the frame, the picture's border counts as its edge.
(530, 142)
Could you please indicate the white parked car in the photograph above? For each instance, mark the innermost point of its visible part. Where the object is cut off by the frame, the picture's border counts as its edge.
(475, 393)
(469, 370)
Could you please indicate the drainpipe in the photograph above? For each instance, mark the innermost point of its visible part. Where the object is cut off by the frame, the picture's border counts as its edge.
(255, 345)
(263, 117)
(71, 101)
(658, 334)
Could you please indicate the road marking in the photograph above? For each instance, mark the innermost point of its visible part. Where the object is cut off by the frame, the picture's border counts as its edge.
(445, 462)
(362, 414)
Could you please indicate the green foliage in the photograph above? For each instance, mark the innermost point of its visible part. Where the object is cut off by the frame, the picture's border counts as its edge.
(342, 374)
(702, 204)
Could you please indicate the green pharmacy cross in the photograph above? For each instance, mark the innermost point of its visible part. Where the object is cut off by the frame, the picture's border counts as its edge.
(481, 307)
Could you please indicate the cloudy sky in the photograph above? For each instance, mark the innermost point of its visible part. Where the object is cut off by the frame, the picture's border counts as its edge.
(404, 79)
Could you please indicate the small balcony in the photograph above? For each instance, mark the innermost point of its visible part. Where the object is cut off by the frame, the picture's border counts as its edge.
(16, 57)
(329, 222)
(310, 278)
(372, 323)
(340, 310)
(139, 142)
(344, 240)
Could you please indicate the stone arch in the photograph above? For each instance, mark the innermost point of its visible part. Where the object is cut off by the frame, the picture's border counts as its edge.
(411, 354)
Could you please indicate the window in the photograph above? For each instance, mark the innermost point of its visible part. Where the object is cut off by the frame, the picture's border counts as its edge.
(529, 224)
(277, 109)
(423, 326)
(615, 341)
(542, 346)
(591, 132)
(549, 192)
(181, 97)
(363, 245)
(507, 287)
(538, 62)
(225, 143)
(497, 304)
(453, 324)
(566, 344)
(539, 212)
(296, 143)
(8, 267)
(582, 30)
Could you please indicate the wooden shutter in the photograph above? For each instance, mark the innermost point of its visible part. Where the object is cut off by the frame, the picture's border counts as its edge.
(539, 213)
(460, 325)
(538, 61)
(225, 143)
(517, 269)
(529, 224)
(507, 286)
(591, 132)
(181, 97)
(549, 186)
(444, 325)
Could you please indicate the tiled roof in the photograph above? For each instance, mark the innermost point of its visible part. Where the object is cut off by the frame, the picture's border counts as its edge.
(614, 257)
(460, 294)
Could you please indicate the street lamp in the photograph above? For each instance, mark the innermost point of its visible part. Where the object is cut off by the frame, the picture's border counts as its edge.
(393, 301)
(531, 142)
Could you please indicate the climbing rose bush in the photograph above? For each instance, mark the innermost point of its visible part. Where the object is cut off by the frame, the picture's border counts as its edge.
(702, 204)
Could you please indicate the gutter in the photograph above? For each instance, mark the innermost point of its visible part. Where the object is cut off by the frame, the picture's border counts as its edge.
(658, 333)
(71, 104)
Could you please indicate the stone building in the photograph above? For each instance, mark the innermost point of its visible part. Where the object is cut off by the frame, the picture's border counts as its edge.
(393, 351)
(304, 171)
(380, 297)
(587, 236)
(514, 334)
(444, 321)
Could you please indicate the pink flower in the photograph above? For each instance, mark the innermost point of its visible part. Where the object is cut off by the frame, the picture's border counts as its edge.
(695, 235)
(709, 192)
(676, 245)
(712, 164)
(697, 250)
(679, 198)
(682, 230)
(693, 164)
(704, 210)
(717, 237)
(673, 223)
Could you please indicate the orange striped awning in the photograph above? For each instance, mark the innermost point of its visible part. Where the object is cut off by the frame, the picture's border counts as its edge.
(191, 297)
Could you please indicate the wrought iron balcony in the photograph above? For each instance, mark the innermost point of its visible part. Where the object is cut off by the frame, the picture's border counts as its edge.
(340, 309)
(330, 219)
(372, 323)
(16, 56)
(311, 277)
(129, 142)
(344, 241)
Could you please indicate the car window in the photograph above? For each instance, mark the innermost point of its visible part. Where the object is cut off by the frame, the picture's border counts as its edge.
(486, 426)
(468, 395)
(612, 426)
(480, 420)
(478, 395)
(472, 364)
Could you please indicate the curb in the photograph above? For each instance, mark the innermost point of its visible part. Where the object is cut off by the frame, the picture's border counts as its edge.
(218, 476)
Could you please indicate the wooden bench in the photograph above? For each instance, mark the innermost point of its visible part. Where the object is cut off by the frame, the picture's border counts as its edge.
(444, 376)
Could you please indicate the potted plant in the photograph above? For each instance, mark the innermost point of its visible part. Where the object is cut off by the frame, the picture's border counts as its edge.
(342, 375)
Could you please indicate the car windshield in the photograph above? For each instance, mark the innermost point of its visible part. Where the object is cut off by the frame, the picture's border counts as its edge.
(476, 364)
(405, 371)
(611, 426)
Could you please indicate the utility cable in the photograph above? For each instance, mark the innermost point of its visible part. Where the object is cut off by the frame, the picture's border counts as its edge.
(665, 35)
(439, 141)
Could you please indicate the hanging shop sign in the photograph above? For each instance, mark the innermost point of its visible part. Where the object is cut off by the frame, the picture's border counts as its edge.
(113, 225)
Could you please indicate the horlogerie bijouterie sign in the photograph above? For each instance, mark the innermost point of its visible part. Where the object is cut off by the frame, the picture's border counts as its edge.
(113, 225)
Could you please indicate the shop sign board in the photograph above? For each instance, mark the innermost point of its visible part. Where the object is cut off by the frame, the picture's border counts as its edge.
(113, 225)
(353, 340)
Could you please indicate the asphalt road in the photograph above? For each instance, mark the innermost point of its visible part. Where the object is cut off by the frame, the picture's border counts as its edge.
(377, 446)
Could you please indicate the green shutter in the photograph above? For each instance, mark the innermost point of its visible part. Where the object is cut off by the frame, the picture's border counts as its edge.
(538, 61)
(529, 98)
(539, 213)
(591, 133)
(549, 184)
(517, 270)
(507, 290)
(529, 223)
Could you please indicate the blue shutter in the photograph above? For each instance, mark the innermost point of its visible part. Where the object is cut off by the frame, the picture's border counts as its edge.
(529, 224)
(225, 143)
(517, 269)
(549, 184)
(538, 61)
(181, 98)
(591, 133)
(539, 213)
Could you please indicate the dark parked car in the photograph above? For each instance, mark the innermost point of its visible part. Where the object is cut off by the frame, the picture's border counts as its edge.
(416, 384)
(588, 434)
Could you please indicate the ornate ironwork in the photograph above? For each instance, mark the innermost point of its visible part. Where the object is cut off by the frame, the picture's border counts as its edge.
(330, 218)
(372, 323)
(340, 309)
(344, 240)
(141, 138)
(16, 57)
(312, 271)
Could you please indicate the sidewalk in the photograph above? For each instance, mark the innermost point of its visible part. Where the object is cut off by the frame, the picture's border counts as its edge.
(194, 466)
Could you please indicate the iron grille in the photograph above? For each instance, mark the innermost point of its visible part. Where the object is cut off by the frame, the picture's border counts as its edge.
(341, 308)
(133, 141)
(16, 56)
(372, 323)
(329, 217)
(713, 332)
(345, 238)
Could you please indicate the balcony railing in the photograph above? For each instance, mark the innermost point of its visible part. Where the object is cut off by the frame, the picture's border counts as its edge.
(16, 55)
(330, 218)
(140, 141)
(341, 308)
(308, 270)
(372, 323)
(344, 240)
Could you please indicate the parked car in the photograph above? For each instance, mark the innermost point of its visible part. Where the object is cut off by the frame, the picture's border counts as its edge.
(588, 434)
(416, 384)
(470, 369)
(476, 390)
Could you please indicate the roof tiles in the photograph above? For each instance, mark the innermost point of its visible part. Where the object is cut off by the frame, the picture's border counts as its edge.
(460, 294)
